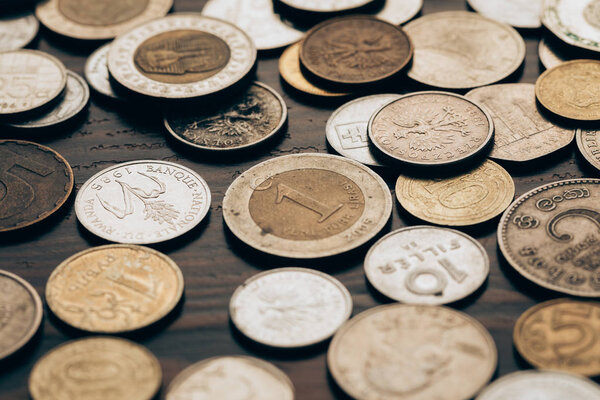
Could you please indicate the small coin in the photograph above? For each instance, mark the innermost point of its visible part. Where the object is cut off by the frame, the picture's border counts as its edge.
(398, 12)
(574, 22)
(143, 202)
(89, 369)
(181, 56)
(521, 132)
(431, 129)
(17, 30)
(326, 6)
(561, 335)
(463, 50)
(307, 205)
(355, 50)
(413, 353)
(518, 13)
(467, 199)
(550, 56)
(96, 72)
(247, 120)
(589, 146)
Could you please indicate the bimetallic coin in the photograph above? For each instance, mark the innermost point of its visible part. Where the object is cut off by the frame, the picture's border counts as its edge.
(89, 369)
(410, 352)
(518, 13)
(326, 6)
(398, 12)
(17, 30)
(96, 72)
(427, 265)
(142, 202)
(576, 22)
(588, 144)
(307, 205)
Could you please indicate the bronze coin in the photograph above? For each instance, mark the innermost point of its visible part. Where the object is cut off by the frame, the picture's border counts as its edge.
(35, 181)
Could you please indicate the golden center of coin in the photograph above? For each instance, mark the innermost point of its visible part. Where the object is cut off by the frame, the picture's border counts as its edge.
(101, 13)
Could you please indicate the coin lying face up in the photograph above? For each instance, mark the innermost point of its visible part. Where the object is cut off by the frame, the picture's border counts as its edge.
(576, 22)
(587, 143)
(518, 13)
(326, 6)
(96, 72)
(17, 31)
(398, 12)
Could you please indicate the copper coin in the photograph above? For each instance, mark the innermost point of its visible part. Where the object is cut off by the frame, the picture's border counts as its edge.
(326, 6)
(576, 22)
(518, 13)
(588, 143)
(96, 72)
(17, 30)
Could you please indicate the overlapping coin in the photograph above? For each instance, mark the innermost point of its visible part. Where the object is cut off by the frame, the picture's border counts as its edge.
(398, 12)
(96, 72)
(588, 143)
(550, 56)
(518, 13)
(574, 22)
(326, 6)
(17, 30)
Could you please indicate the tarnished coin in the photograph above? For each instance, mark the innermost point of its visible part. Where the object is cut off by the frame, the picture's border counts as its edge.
(550, 236)
(307, 205)
(463, 50)
(98, 20)
(92, 368)
(114, 288)
(431, 129)
(561, 335)
(576, 22)
(246, 120)
(467, 199)
(326, 6)
(35, 181)
(17, 30)
(427, 265)
(398, 12)
(571, 90)
(96, 72)
(410, 352)
(231, 377)
(521, 132)
(142, 202)
(588, 143)
(290, 307)
(518, 13)
(355, 50)
(181, 56)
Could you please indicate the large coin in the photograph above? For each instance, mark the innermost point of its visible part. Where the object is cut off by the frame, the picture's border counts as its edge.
(561, 335)
(35, 181)
(467, 199)
(273, 308)
(427, 265)
(550, 236)
(588, 143)
(142, 202)
(398, 12)
(355, 50)
(17, 30)
(463, 50)
(326, 6)
(114, 288)
(89, 369)
(431, 129)
(521, 132)
(246, 120)
(96, 72)
(231, 377)
(518, 13)
(410, 352)
(576, 22)
(307, 205)
(181, 56)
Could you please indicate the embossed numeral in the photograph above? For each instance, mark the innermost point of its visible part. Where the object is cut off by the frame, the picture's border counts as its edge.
(325, 211)
(573, 319)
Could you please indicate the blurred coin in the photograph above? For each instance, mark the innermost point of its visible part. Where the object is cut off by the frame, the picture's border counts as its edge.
(518, 13)
(96, 72)
(398, 12)
(576, 22)
(17, 30)
(326, 6)
(588, 143)
(549, 55)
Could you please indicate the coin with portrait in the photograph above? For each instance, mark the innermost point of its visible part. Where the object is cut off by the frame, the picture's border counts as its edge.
(576, 22)
(96, 72)
(17, 30)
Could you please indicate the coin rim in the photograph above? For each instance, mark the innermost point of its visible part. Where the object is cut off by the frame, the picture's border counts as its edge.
(87, 71)
(474, 5)
(544, 48)
(30, 15)
(552, 27)
(321, 11)
(408, 17)
(580, 146)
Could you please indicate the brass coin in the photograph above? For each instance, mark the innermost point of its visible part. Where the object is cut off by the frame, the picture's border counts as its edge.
(35, 181)
(96, 368)
(550, 236)
(467, 199)
(561, 335)
(588, 143)
(574, 22)
(114, 288)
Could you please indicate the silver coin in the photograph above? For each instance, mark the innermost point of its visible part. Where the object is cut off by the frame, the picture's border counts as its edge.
(96, 72)
(347, 127)
(290, 307)
(142, 202)
(398, 12)
(576, 22)
(326, 5)
(17, 30)
(518, 13)
(549, 56)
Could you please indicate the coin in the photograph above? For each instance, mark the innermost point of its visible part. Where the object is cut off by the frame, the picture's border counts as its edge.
(518, 13)
(96, 72)
(246, 120)
(142, 202)
(427, 265)
(413, 353)
(181, 56)
(571, 90)
(467, 199)
(431, 129)
(17, 30)
(549, 55)
(463, 50)
(92, 368)
(231, 377)
(35, 181)
(290, 307)
(561, 335)
(355, 50)
(98, 20)
(398, 12)
(521, 132)
(588, 145)
(574, 22)
(326, 6)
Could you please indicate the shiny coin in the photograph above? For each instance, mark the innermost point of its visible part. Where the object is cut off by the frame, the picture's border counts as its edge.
(88, 369)
(463, 50)
(431, 129)
(142, 202)
(181, 56)
(410, 352)
(398, 12)
(114, 288)
(588, 143)
(518, 13)
(290, 307)
(521, 132)
(427, 265)
(326, 5)
(355, 50)
(576, 22)
(246, 120)
(232, 377)
(467, 199)
(35, 181)
(17, 30)
(96, 72)
(307, 205)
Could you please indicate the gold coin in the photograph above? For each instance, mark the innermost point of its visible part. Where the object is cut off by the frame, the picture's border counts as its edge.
(114, 288)
(467, 199)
